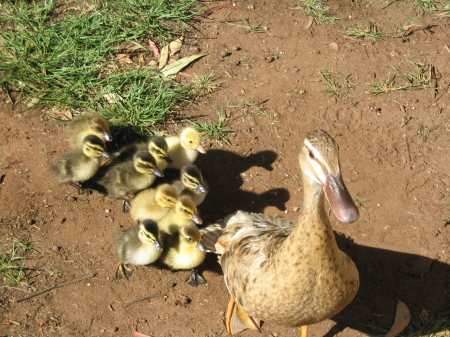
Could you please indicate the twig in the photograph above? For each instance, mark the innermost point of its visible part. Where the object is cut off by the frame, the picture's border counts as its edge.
(54, 287)
(145, 298)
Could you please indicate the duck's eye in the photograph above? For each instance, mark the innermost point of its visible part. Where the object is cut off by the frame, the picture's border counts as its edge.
(190, 239)
(311, 154)
(98, 128)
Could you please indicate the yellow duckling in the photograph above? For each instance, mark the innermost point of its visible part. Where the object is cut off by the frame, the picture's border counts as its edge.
(192, 183)
(131, 176)
(91, 124)
(153, 203)
(290, 274)
(139, 246)
(184, 149)
(79, 166)
(183, 214)
(184, 251)
(157, 146)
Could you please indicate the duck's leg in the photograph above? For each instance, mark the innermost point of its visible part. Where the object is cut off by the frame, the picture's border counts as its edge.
(126, 204)
(195, 279)
(237, 320)
(123, 272)
(304, 331)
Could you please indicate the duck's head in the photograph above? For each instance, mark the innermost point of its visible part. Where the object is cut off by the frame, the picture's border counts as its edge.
(166, 195)
(144, 162)
(192, 178)
(149, 233)
(94, 147)
(186, 208)
(99, 127)
(158, 147)
(319, 162)
(190, 140)
(190, 236)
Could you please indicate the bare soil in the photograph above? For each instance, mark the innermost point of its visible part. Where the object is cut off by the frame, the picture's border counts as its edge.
(394, 155)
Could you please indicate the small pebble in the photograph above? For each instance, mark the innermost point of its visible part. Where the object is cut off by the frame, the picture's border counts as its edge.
(235, 48)
(225, 53)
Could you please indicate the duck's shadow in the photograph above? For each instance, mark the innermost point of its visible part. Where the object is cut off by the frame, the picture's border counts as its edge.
(222, 171)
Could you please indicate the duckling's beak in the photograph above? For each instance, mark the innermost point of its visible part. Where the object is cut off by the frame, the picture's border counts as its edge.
(201, 149)
(168, 159)
(196, 218)
(157, 172)
(106, 155)
(202, 247)
(202, 188)
(340, 199)
(107, 136)
(159, 245)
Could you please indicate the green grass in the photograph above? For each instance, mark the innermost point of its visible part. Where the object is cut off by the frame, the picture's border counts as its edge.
(216, 131)
(316, 10)
(421, 77)
(61, 57)
(335, 89)
(12, 262)
(427, 325)
(370, 31)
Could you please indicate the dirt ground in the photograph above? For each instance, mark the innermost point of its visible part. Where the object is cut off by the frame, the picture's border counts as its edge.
(394, 155)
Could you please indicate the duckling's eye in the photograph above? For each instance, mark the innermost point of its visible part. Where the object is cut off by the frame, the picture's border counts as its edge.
(311, 154)
(98, 128)
(190, 240)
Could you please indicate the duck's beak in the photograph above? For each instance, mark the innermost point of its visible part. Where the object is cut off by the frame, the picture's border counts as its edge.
(340, 199)
(196, 218)
(168, 159)
(201, 149)
(107, 136)
(202, 188)
(159, 245)
(157, 172)
(202, 247)
(106, 155)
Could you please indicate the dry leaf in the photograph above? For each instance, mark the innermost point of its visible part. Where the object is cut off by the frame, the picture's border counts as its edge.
(175, 46)
(401, 321)
(309, 23)
(154, 49)
(124, 58)
(113, 98)
(135, 332)
(65, 115)
(175, 67)
(164, 57)
(418, 266)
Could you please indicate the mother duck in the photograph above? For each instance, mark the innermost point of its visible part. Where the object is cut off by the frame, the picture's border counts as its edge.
(292, 274)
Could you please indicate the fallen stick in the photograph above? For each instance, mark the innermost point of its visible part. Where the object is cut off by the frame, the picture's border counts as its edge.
(54, 287)
(145, 298)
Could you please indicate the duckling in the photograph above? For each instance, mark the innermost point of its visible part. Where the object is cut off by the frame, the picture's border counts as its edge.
(184, 149)
(292, 274)
(79, 166)
(91, 124)
(157, 146)
(191, 182)
(185, 250)
(131, 176)
(183, 214)
(139, 246)
(153, 203)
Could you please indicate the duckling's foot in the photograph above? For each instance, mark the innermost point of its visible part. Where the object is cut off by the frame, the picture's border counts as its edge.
(85, 190)
(238, 321)
(123, 272)
(195, 279)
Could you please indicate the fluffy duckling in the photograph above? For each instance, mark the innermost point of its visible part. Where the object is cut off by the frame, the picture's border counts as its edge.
(153, 203)
(185, 251)
(138, 246)
(183, 214)
(131, 176)
(157, 146)
(91, 124)
(191, 182)
(79, 166)
(184, 149)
